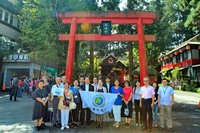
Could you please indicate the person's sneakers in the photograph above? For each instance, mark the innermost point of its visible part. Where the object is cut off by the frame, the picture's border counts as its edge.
(37, 128)
(59, 125)
(140, 125)
(62, 128)
(41, 127)
(67, 127)
(75, 125)
(128, 125)
(98, 125)
(136, 124)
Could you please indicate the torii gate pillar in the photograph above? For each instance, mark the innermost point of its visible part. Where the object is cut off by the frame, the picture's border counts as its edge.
(71, 50)
(142, 51)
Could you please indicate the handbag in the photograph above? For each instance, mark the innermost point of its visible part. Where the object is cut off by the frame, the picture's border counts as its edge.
(66, 101)
(72, 105)
(126, 111)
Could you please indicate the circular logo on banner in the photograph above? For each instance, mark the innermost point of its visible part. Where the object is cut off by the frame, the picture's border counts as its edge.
(99, 101)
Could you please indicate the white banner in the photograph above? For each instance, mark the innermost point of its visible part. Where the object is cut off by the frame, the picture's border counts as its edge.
(99, 103)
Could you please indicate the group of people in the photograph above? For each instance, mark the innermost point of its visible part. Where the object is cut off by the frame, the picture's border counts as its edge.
(147, 99)
(16, 87)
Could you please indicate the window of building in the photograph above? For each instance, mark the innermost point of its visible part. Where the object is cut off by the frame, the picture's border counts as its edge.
(178, 59)
(11, 19)
(18, 24)
(185, 55)
(6, 16)
(1, 13)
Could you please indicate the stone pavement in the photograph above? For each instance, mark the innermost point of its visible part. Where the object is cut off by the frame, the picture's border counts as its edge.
(15, 117)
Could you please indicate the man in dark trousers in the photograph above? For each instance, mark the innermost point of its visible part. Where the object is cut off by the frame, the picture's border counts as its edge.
(14, 88)
(86, 87)
(147, 103)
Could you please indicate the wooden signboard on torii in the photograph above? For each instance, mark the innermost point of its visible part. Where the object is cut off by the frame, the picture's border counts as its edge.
(134, 18)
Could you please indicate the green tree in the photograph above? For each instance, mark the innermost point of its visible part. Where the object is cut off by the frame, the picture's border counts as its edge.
(193, 7)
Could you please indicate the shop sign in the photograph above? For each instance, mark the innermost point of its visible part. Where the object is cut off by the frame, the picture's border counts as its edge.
(17, 58)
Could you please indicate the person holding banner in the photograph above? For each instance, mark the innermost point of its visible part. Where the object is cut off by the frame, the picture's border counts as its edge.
(117, 89)
(127, 105)
(56, 91)
(86, 87)
(99, 117)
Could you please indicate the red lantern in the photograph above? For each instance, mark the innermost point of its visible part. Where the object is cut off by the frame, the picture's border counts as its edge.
(188, 47)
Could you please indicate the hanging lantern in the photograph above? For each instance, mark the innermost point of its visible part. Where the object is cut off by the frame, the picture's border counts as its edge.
(166, 57)
(188, 47)
(85, 27)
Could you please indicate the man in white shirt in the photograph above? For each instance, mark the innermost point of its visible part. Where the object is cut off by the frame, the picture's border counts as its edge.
(56, 91)
(95, 84)
(147, 103)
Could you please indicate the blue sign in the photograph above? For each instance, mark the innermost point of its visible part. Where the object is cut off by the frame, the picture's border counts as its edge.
(106, 27)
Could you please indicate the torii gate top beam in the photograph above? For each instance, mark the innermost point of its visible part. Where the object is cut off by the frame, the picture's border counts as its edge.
(130, 17)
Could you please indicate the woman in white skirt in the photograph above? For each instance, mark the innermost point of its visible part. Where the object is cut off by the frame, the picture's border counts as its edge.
(118, 102)
(64, 106)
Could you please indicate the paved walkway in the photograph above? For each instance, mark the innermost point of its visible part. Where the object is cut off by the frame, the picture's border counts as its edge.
(15, 117)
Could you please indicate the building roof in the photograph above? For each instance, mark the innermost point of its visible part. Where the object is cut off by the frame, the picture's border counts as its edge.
(193, 41)
(5, 4)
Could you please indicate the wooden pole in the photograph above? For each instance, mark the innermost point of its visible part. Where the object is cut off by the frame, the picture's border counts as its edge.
(130, 60)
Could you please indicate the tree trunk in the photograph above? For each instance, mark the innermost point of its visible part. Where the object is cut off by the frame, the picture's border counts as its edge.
(130, 60)
(91, 60)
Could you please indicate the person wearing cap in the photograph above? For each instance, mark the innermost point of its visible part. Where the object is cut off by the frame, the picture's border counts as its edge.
(147, 103)
(165, 103)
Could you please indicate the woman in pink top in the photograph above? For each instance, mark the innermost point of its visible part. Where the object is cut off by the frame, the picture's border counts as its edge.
(127, 103)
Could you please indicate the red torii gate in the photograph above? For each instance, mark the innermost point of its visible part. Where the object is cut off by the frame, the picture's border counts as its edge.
(132, 17)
